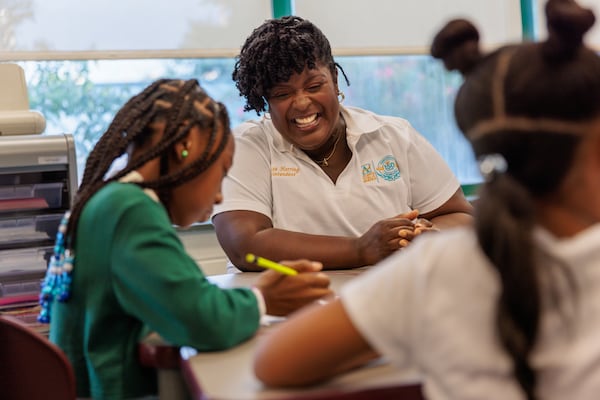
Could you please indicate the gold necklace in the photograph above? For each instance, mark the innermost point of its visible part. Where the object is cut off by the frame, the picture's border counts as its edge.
(324, 162)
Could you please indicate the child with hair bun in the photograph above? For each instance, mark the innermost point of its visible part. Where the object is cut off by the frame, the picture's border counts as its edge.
(513, 312)
(120, 270)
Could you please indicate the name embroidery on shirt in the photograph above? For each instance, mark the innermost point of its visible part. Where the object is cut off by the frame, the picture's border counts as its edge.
(285, 171)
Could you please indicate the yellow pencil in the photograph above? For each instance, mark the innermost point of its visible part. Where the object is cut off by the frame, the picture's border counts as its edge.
(263, 262)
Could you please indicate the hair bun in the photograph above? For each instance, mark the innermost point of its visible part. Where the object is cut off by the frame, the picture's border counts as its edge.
(457, 44)
(567, 23)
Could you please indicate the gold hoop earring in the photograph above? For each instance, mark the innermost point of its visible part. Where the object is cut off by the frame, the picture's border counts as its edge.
(341, 96)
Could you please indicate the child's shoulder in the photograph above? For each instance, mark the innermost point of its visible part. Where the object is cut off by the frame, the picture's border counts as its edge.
(113, 189)
(119, 196)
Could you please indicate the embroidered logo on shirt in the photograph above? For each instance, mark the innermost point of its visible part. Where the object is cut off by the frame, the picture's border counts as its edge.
(284, 171)
(387, 168)
(368, 175)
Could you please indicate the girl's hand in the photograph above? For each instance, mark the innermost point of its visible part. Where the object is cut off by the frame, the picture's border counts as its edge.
(284, 294)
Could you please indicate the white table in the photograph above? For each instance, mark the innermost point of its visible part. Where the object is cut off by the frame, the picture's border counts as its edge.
(228, 375)
(246, 279)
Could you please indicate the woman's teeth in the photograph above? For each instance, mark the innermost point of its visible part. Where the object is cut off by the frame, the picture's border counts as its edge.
(306, 120)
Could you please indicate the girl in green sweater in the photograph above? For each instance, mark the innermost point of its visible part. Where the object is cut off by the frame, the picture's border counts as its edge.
(120, 271)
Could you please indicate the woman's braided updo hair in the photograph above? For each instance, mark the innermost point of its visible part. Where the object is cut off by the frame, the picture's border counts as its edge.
(181, 105)
(276, 50)
(524, 108)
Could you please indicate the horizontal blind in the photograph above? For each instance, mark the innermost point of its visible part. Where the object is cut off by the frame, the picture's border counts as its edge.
(397, 26)
(75, 29)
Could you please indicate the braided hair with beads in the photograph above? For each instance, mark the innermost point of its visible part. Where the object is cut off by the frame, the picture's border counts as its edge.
(182, 105)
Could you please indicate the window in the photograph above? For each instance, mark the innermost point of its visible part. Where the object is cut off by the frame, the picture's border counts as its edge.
(81, 97)
(419, 89)
(65, 29)
(97, 54)
(406, 26)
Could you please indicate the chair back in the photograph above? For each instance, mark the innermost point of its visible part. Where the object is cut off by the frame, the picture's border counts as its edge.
(32, 367)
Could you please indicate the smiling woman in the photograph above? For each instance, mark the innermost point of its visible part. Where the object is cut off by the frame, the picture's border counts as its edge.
(362, 179)
(305, 110)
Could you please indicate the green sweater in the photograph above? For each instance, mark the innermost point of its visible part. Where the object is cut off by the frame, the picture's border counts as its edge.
(132, 275)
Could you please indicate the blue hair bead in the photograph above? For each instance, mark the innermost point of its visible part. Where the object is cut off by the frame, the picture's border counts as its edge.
(57, 282)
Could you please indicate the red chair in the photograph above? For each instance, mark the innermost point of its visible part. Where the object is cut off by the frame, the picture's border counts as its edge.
(32, 367)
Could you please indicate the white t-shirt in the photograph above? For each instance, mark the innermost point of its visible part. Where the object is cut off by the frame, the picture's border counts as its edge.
(393, 170)
(432, 306)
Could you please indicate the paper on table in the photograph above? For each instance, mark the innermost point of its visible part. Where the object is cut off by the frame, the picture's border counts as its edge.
(268, 320)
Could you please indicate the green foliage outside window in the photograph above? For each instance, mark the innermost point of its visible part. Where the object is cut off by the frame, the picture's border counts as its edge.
(74, 100)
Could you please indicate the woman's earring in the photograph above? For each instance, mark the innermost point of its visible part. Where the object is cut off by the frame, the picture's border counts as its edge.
(266, 113)
(341, 97)
(184, 153)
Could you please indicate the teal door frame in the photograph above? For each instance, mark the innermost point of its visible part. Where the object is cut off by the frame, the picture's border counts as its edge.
(281, 8)
(528, 19)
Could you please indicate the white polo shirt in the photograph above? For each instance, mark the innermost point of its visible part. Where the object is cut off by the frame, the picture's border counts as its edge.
(433, 306)
(393, 170)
